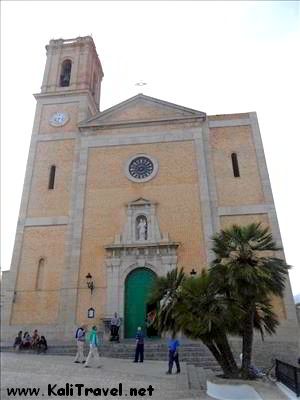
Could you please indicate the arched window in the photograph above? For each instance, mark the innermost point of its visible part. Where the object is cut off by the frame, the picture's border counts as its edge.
(141, 228)
(40, 274)
(65, 75)
(235, 165)
(52, 177)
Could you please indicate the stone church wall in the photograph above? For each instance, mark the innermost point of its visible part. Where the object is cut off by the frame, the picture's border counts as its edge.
(232, 191)
(174, 189)
(42, 201)
(35, 305)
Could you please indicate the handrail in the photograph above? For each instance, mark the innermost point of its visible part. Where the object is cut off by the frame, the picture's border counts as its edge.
(289, 375)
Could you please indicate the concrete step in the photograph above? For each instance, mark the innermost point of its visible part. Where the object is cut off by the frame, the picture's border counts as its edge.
(195, 354)
(193, 380)
(204, 374)
(197, 379)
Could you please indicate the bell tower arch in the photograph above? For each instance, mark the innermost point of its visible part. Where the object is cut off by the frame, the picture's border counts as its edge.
(73, 65)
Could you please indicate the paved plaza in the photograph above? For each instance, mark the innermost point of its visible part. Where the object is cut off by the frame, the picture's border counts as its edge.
(135, 380)
(30, 370)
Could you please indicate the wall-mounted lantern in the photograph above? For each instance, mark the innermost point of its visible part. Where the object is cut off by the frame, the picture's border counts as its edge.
(193, 272)
(91, 313)
(89, 282)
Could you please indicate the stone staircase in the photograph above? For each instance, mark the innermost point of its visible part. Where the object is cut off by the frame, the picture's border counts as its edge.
(191, 353)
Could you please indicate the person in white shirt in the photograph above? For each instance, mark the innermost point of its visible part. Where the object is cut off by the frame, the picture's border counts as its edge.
(115, 324)
(80, 339)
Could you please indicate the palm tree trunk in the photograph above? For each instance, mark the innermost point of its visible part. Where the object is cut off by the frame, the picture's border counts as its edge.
(247, 343)
(225, 349)
(222, 361)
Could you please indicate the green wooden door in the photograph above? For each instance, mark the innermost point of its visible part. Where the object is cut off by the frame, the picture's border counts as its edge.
(137, 286)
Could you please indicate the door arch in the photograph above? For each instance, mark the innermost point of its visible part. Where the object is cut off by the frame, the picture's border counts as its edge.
(137, 287)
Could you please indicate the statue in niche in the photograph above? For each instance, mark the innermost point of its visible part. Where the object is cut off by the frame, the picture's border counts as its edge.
(142, 228)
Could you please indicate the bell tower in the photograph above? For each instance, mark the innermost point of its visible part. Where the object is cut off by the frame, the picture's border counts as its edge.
(73, 67)
(70, 93)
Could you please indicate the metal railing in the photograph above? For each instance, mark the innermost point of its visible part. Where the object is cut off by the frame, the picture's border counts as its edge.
(289, 375)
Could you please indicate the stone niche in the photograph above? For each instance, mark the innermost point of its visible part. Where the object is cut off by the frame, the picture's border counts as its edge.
(141, 244)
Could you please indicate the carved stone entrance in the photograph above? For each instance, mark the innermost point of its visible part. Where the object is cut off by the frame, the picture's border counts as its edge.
(140, 245)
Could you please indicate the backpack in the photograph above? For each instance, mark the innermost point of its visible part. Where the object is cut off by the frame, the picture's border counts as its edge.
(77, 331)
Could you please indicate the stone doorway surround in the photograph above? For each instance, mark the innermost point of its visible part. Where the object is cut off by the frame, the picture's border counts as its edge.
(131, 250)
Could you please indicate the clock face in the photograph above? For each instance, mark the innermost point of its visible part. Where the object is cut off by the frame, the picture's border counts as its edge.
(59, 119)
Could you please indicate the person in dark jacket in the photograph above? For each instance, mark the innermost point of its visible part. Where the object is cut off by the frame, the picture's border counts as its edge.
(42, 345)
(139, 349)
(18, 341)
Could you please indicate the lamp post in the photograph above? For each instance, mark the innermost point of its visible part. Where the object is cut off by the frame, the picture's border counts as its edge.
(89, 282)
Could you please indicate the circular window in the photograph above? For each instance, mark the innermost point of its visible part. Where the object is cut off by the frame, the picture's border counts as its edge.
(141, 168)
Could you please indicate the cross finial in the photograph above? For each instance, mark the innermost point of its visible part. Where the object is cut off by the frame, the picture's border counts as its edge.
(141, 83)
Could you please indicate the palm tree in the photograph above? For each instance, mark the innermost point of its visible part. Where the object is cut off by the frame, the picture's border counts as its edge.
(166, 291)
(203, 313)
(246, 271)
(193, 306)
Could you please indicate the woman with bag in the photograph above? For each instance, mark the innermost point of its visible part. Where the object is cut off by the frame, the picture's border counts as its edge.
(93, 341)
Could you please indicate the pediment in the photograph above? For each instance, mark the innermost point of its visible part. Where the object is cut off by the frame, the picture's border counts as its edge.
(140, 201)
(139, 109)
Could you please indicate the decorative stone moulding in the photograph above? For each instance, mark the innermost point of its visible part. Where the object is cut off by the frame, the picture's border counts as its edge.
(141, 168)
(131, 250)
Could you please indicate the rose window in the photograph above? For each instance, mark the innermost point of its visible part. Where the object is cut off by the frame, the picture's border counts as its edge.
(141, 167)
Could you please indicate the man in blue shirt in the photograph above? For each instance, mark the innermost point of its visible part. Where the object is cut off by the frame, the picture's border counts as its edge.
(139, 350)
(173, 345)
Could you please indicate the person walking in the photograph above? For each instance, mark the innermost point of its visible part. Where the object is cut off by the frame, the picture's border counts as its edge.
(139, 349)
(93, 353)
(80, 340)
(173, 345)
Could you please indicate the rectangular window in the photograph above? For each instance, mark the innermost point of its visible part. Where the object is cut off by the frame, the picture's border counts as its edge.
(235, 165)
(52, 177)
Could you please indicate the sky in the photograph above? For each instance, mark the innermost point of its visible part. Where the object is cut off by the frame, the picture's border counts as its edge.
(216, 57)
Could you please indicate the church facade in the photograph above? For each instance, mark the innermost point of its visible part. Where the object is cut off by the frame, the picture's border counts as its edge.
(112, 199)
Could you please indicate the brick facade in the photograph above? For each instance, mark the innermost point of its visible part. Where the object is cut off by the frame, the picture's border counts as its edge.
(72, 226)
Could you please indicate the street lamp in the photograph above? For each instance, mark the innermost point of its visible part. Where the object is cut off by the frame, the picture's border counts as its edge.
(89, 282)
